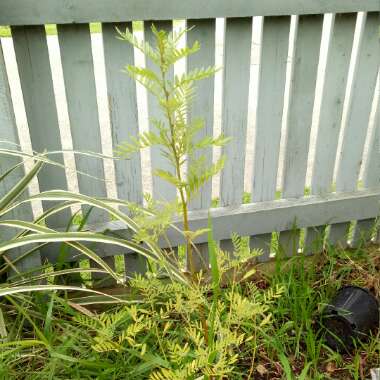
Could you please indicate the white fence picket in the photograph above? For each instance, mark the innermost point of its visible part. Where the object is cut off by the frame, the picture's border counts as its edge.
(237, 54)
(122, 100)
(274, 54)
(9, 134)
(371, 179)
(306, 56)
(121, 91)
(38, 94)
(78, 73)
(203, 106)
(357, 120)
(330, 117)
(79, 79)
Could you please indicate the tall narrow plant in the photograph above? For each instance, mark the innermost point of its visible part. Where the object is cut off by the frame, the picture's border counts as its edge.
(176, 135)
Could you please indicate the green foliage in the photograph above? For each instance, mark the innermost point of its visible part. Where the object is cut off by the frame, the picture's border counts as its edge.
(154, 218)
(175, 133)
(165, 331)
(262, 329)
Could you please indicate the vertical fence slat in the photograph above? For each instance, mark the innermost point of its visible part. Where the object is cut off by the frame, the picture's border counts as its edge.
(161, 189)
(38, 94)
(79, 79)
(300, 112)
(237, 55)
(333, 92)
(203, 106)
(373, 165)
(274, 54)
(355, 132)
(121, 92)
(371, 179)
(8, 132)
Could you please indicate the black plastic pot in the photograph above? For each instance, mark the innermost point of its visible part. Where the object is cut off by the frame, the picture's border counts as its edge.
(352, 315)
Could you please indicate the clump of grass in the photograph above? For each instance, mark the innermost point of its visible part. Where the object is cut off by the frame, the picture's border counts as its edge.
(296, 341)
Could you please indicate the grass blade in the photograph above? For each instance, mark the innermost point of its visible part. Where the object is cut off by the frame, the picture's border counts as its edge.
(44, 288)
(73, 238)
(213, 258)
(20, 187)
(41, 229)
(3, 328)
(215, 281)
(286, 366)
(57, 273)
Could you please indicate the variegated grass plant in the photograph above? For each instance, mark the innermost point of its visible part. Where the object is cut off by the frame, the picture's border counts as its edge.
(30, 236)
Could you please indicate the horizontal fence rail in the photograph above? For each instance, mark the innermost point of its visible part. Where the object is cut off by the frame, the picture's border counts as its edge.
(32, 12)
(308, 143)
(261, 217)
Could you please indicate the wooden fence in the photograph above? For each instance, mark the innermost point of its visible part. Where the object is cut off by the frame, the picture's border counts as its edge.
(343, 131)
